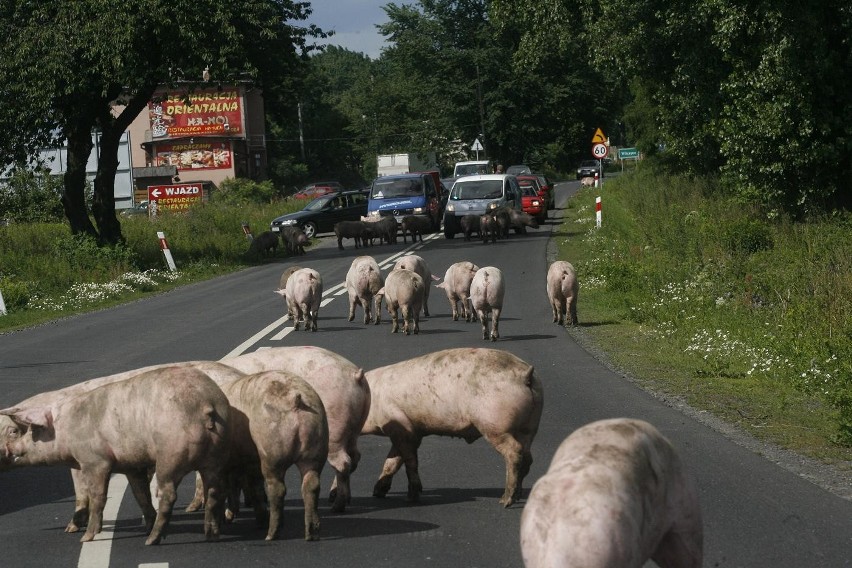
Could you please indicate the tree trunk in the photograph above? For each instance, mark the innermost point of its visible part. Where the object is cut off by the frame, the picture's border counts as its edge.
(79, 135)
(103, 203)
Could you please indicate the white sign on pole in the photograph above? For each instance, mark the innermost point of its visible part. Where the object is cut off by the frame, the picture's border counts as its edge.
(2, 305)
(477, 145)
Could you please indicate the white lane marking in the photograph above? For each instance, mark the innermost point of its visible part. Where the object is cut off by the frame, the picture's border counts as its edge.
(95, 554)
(282, 334)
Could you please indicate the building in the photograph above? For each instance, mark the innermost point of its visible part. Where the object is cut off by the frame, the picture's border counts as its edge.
(194, 141)
(184, 143)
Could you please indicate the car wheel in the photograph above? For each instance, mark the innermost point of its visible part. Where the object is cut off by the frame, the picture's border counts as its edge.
(310, 229)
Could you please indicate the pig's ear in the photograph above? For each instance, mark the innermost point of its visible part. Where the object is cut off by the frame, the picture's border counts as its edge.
(39, 416)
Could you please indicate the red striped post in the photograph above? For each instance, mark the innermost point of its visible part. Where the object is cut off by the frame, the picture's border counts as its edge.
(164, 244)
(598, 212)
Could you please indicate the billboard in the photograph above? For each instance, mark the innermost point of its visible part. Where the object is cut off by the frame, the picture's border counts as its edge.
(195, 155)
(208, 112)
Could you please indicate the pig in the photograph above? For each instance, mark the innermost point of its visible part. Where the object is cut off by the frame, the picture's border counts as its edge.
(114, 428)
(464, 392)
(456, 284)
(304, 294)
(470, 225)
(562, 289)
(504, 222)
(488, 228)
(486, 296)
(278, 420)
(416, 225)
(363, 281)
(385, 228)
(587, 182)
(294, 239)
(520, 220)
(263, 244)
(417, 264)
(616, 494)
(403, 291)
(356, 230)
(219, 373)
(345, 395)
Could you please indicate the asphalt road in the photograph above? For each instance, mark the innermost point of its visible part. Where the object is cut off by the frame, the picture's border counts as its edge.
(755, 512)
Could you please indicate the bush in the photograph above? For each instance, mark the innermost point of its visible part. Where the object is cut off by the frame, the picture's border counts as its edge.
(31, 196)
(240, 191)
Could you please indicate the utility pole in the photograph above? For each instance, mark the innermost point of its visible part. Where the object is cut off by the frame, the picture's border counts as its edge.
(301, 133)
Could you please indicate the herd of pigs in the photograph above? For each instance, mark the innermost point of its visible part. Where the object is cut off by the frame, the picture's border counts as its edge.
(615, 494)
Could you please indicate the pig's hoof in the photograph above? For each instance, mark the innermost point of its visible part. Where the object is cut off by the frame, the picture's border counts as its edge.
(87, 537)
(332, 495)
(352, 317)
(506, 501)
(72, 527)
(194, 505)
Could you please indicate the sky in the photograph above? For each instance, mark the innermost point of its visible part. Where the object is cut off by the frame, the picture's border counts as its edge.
(353, 22)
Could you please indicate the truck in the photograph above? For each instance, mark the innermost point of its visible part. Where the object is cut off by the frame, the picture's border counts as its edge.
(391, 164)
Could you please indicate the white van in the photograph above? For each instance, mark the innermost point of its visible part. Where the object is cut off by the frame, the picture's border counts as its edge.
(473, 168)
(477, 195)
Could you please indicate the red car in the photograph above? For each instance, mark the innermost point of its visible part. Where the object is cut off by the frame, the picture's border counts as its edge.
(314, 190)
(545, 189)
(531, 202)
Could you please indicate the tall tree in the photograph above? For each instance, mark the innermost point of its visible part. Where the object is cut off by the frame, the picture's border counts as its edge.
(70, 68)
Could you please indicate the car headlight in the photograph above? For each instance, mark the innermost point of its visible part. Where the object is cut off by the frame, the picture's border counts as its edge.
(286, 222)
(492, 206)
(418, 211)
(536, 202)
(373, 214)
(451, 207)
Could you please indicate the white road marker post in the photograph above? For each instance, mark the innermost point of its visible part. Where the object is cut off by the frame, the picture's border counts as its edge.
(2, 305)
(598, 212)
(166, 252)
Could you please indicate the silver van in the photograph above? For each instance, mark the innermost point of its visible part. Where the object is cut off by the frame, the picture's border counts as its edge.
(476, 195)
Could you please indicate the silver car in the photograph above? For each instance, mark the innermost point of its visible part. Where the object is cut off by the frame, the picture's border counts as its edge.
(476, 195)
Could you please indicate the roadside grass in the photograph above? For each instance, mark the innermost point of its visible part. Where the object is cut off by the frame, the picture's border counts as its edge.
(46, 273)
(699, 298)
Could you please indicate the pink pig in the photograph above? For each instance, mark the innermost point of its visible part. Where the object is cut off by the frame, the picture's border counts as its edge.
(278, 420)
(456, 284)
(562, 289)
(112, 429)
(344, 392)
(616, 494)
(467, 393)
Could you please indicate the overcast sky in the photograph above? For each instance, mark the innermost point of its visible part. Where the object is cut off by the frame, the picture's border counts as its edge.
(354, 23)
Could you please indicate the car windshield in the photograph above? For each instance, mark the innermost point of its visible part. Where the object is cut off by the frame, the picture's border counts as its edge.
(478, 189)
(396, 188)
(589, 164)
(318, 203)
(471, 169)
(529, 188)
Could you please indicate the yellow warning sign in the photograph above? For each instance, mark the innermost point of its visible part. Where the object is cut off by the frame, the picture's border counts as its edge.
(599, 137)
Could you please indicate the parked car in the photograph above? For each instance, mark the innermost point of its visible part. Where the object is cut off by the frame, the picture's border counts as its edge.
(588, 168)
(475, 195)
(140, 208)
(519, 169)
(313, 190)
(531, 200)
(545, 189)
(320, 214)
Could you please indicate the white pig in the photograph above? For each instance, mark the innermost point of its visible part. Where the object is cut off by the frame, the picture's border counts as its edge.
(465, 392)
(174, 420)
(486, 297)
(344, 392)
(616, 494)
(403, 292)
(457, 286)
(363, 281)
(418, 265)
(278, 420)
(562, 289)
(304, 294)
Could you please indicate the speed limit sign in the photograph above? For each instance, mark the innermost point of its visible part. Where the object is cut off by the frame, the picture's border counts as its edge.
(600, 151)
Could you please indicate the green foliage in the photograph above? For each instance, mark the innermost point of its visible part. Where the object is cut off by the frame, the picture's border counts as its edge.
(743, 299)
(241, 191)
(31, 197)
